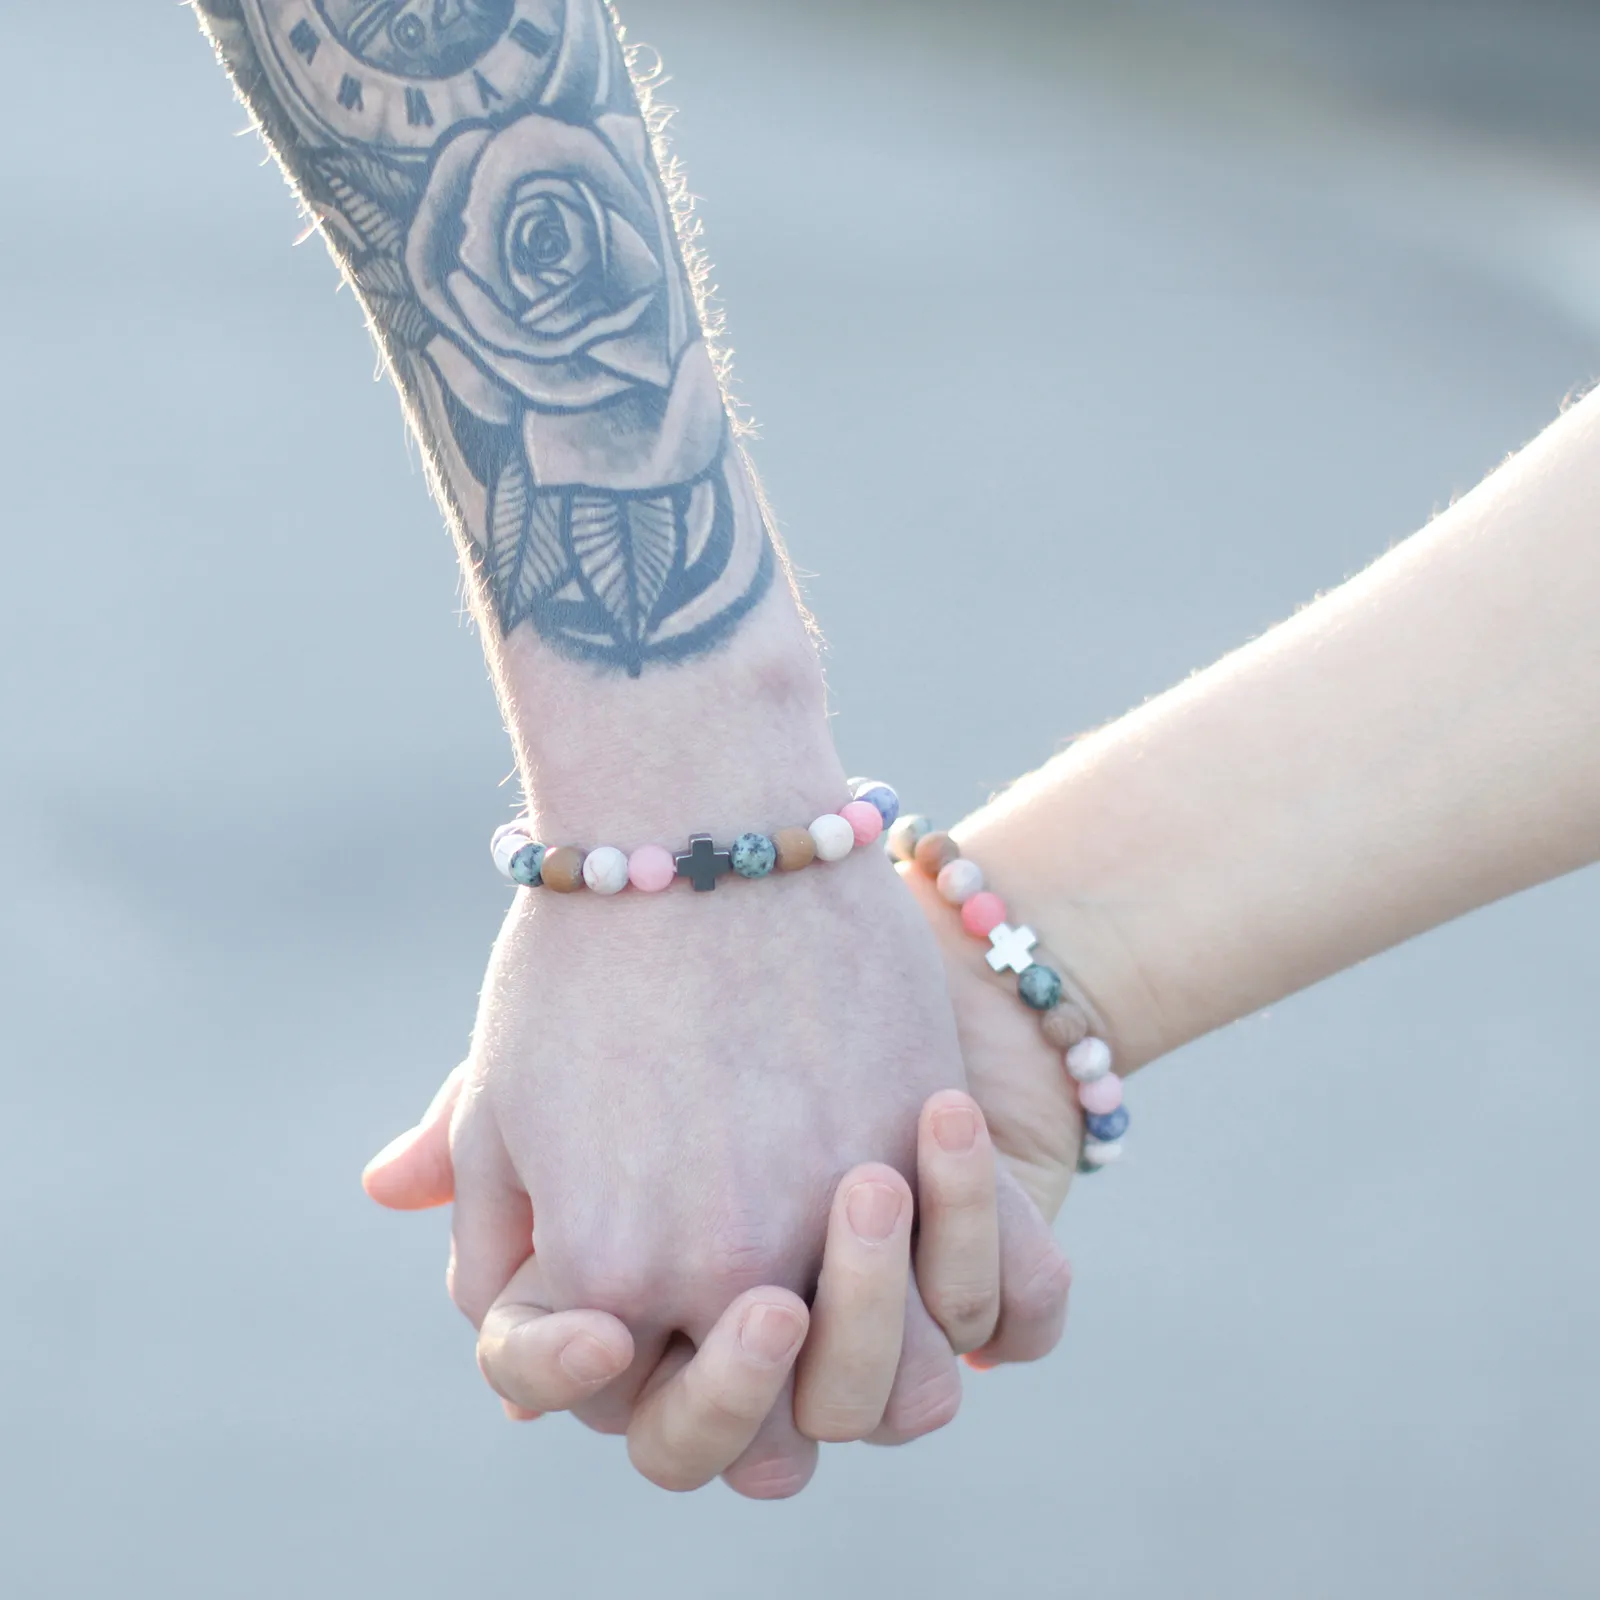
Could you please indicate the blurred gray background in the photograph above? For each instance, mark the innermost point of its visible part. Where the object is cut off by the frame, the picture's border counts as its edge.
(1089, 340)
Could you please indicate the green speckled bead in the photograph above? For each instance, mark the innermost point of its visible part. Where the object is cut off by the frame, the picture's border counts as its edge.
(905, 835)
(1040, 987)
(527, 864)
(753, 855)
(1087, 1169)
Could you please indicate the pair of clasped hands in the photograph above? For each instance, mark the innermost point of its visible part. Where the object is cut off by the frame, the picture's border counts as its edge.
(644, 1152)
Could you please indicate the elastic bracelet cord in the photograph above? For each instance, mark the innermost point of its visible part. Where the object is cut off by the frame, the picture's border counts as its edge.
(606, 870)
(1039, 985)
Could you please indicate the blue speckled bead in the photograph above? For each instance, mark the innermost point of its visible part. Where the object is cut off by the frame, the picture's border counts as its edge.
(527, 864)
(1040, 987)
(880, 795)
(753, 855)
(1108, 1128)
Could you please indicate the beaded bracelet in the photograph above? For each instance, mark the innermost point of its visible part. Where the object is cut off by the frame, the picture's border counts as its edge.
(652, 867)
(1066, 1024)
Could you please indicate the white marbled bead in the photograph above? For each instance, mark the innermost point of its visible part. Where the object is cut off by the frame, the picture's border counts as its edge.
(1101, 1152)
(1089, 1059)
(508, 838)
(833, 837)
(605, 870)
(960, 880)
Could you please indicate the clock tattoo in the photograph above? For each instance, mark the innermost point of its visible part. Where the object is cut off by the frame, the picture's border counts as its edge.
(484, 172)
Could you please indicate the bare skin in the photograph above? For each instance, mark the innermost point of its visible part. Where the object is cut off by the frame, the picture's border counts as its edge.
(1414, 744)
(663, 1092)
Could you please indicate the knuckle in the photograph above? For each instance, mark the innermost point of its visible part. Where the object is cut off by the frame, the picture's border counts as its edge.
(608, 1281)
(830, 1422)
(1033, 1315)
(731, 1264)
(657, 1465)
(1043, 1294)
(967, 1313)
(472, 1299)
(925, 1405)
(775, 1478)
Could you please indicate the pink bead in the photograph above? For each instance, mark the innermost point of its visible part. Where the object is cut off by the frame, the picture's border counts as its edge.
(983, 913)
(651, 868)
(865, 818)
(1101, 1097)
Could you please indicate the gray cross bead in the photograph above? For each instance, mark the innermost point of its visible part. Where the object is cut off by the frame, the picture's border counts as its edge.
(1012, 948)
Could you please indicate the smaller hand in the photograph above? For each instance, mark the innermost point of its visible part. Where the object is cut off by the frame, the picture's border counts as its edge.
(770, 1378)
(1028, 1099)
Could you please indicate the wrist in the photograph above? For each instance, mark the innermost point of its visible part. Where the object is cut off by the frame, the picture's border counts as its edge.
(721, 745)
(1070, 898)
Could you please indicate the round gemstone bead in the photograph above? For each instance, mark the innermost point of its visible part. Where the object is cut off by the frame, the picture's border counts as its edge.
(959, 881)
(796, 848)
(753, 855)
(982, 913)
(833, 837)
(881, 796)
(527, 865)
(1040, 987)
(563, 869)
(1098, 1153)
(1109, 1128)
(864, 818)
(651, 868)
(1101, 1096)
(605, 870)
(1089, 1059)
(509, 838)
(1065, 1025)
(905, 834)
(1087, 1168)
(935, 852)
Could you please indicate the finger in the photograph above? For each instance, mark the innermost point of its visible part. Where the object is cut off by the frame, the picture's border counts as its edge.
(414, 1171)
(491, 1228)
(707, 1412)
(538, 1360)
(927, 1388)
(611, 1409)
(780, 1461)
(1034, 1282)
(858, 1318)
(958, 1236)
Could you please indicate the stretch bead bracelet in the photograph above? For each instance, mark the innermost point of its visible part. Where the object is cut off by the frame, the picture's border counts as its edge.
(1065, 1024)
(652, 868)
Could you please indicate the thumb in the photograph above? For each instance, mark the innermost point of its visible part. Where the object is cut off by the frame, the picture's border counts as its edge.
(414, 1171)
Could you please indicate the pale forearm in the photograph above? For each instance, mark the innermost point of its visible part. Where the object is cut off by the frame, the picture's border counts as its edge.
(1418, 742)
(483, 173)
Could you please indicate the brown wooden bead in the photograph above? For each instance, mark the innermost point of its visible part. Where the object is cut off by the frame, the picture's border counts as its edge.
(563, 870)
(935, 852)
(796, 848)
(1065, 1025)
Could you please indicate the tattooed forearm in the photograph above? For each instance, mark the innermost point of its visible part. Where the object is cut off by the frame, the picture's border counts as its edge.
(484, 174)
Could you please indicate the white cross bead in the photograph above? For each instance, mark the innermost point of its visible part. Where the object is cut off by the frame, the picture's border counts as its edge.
(1012, 947)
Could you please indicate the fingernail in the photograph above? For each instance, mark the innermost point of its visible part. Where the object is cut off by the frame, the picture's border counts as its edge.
(586, 1359)
(769, 1333)
(956, 1130)
(873, 1209)
(520, 1413)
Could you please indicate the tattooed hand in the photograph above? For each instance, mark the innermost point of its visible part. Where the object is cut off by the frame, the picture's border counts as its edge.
(664, 1089)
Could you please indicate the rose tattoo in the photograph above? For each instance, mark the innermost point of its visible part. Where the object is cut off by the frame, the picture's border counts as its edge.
(523, 263)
